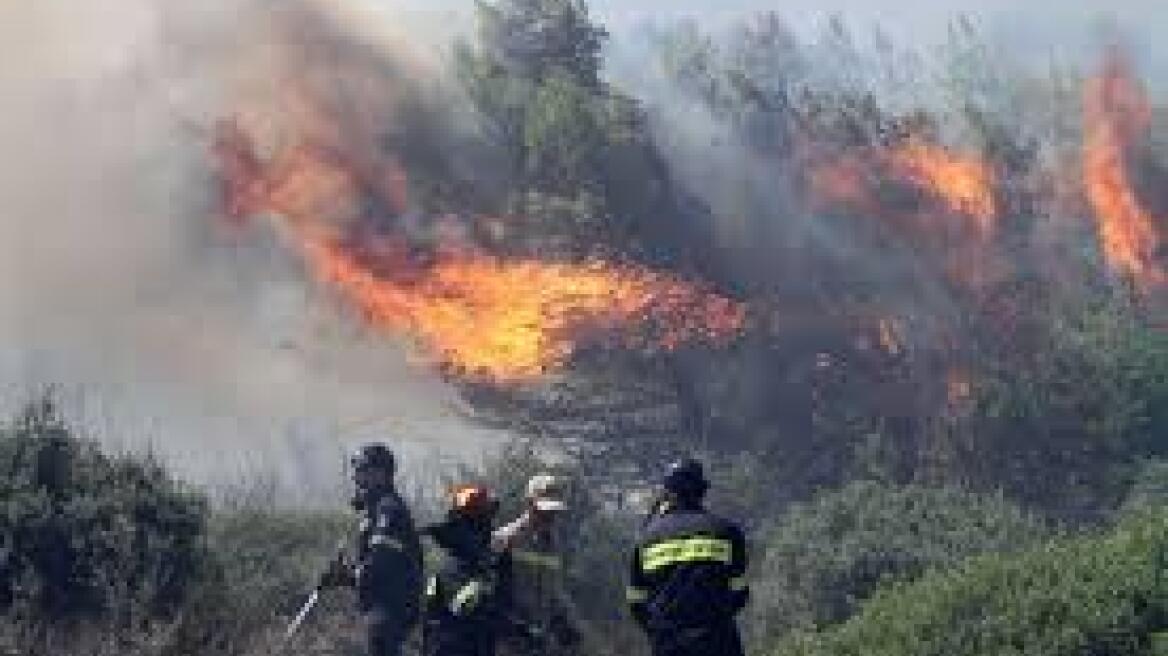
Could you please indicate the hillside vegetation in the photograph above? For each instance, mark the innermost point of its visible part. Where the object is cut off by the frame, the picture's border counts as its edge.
(927, 366)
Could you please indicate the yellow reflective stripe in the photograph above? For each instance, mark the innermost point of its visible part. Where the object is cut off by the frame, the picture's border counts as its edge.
(386, 541)
(685, 550)
(548, 561)
(467, 598)
(432, 587)
(636, 595)
(738, 584)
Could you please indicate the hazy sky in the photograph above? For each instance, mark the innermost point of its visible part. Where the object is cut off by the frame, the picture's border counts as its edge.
(1059, 28)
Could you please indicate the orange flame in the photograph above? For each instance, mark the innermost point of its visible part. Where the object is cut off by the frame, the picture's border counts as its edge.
(507, 321)
(477, 315)
(845, 181)
(965, 183)
(890, 335)
(1117, 114)
(959, 387)
(962, 183)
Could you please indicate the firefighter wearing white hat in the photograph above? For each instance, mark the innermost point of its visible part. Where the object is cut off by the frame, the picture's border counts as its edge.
(531, 539)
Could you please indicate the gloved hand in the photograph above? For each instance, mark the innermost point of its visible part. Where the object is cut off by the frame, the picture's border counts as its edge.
(339, 574)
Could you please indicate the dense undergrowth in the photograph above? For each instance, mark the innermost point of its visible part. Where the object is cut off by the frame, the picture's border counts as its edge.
(148, 567)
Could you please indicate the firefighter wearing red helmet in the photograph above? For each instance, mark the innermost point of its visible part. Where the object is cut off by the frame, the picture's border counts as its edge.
(687, 576)
(467, 601)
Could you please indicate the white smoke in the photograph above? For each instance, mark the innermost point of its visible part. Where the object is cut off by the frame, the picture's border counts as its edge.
(114, 283)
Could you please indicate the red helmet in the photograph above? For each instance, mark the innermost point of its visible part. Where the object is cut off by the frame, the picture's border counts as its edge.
(473, 502)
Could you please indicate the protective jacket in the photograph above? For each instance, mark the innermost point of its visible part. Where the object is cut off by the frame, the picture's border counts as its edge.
(388, 573)
(542, 599)
(468, 600)
(687, 582)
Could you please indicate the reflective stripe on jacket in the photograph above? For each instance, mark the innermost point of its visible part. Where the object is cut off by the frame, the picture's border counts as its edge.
(687, 570)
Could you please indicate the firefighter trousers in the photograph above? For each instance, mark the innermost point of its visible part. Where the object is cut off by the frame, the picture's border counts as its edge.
(717, 640)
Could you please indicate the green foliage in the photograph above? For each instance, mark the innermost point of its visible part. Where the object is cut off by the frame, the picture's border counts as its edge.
(1150, 487)
(266, 561)
(824, 558)
(533, 77)
(1098, 595)
(1062, 428)
(542, 39)
(562, 135)
(84, 535)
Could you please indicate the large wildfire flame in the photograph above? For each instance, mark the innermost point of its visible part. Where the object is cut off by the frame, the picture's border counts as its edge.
(479, 316)
(1117, 115)
(513, 320)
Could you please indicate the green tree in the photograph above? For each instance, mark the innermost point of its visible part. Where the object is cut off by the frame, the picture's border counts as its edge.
(572, 142)
(521, 46)
(563, 135)
(540, 39)
(1063, 424)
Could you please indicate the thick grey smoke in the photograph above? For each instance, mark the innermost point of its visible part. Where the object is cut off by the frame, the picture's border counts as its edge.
(113, 281)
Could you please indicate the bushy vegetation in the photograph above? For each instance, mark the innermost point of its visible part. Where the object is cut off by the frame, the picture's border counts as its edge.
(153, 569)
(824, 558)
(84, 535)
(1150, 488)
(871, 565)
(1086, 440)
(1095, 595)
(111, 554)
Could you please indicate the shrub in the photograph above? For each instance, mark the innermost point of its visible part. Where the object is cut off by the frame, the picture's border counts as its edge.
(1150, 488)
(86, 536)
(825, 557)
(266, 562)
(1104, 595)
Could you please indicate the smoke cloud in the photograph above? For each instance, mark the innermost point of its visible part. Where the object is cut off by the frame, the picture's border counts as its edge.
(117, 284)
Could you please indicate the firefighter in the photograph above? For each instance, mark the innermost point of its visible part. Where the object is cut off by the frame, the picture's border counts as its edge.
(467, 602)
(688, 570)
(534, 542)
(387, 573)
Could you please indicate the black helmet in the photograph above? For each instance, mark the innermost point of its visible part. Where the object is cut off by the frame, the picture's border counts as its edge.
(374, 455)
(685, 478)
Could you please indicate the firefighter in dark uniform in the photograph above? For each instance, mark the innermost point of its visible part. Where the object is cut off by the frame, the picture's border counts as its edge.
(388, 570)
(688, 571)
(467, 604)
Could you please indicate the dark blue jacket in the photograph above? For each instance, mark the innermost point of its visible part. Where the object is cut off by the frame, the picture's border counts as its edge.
(389, 561)
(688, 570)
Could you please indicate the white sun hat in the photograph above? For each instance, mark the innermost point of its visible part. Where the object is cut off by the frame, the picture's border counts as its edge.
(546, 493)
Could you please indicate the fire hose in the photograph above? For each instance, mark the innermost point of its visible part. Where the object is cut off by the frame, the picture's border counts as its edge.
(337, 562)
(309, 604)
